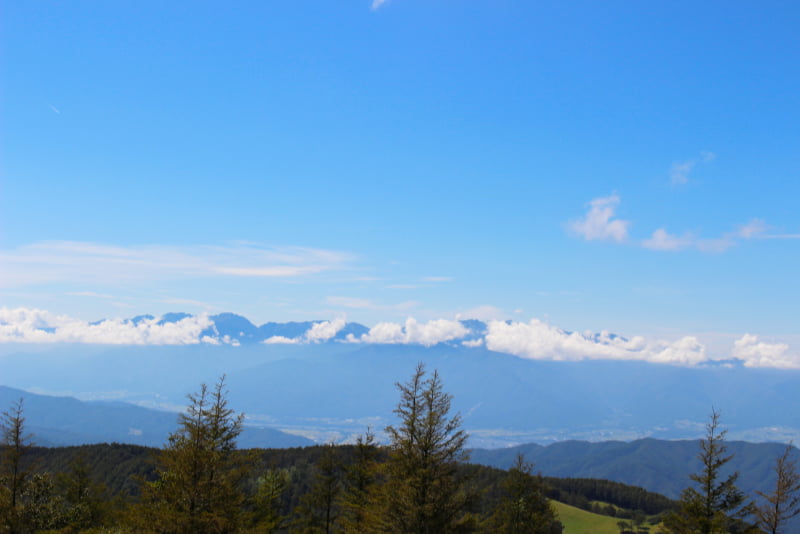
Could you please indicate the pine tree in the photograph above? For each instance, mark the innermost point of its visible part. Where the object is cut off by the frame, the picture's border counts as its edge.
(716, 505)
(525, 507)
(783, 503)
(423, 493)
(198, 486)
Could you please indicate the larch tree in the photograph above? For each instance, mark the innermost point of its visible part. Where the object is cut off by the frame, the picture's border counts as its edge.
(360, 479)
(318, 511)
(270, 488)
(524, 509)
(13, 474)
(423, 492)
(783, 503)
(715, 505)
(198, 489)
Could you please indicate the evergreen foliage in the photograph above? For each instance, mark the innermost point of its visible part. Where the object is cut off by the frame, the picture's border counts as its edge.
(423, 492)
(197, 489)
(318, 511)
(783, 503)
(270, 488)
(622, 500)
(13, 473)
(716, 505)
(524, 508)
(419, 483)
(360, 480)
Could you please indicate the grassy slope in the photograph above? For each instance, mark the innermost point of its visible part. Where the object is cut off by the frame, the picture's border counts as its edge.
(577, 521)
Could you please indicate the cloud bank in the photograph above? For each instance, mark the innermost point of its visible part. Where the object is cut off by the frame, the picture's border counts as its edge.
(535, 340)
(757, 353)
(37, 326)
(426, 334)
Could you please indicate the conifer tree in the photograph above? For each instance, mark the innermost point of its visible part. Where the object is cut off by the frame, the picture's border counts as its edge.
(783, 503)
(423, 493)
(13, 474)
(525, 507)
(360, 479)
(85, 501)
(318, 511)
(198, 486)
(716, 505)
(269, 490)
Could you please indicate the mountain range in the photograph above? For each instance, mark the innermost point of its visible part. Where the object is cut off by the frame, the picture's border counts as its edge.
(329, 389)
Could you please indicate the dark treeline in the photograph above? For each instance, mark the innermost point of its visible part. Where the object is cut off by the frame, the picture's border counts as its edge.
(620, 499)
(120, 468)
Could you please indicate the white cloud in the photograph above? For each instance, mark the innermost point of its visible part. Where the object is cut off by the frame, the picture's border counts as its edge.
(680, 170)
(23, 325)
(540, 341)
(376, 4)
(755, 353)
(663, 240)
(325, 330)
(281, 340)
(753, 229)
(427, 334)
(81, 262)
(599, 223)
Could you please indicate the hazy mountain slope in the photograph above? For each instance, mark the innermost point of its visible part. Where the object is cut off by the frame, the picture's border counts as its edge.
(68, 421)
(657, 465)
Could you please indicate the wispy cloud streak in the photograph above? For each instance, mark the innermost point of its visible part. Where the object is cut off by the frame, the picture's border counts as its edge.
(81, 262)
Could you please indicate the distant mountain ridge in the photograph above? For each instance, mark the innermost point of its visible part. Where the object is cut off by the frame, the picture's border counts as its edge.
(233, 327)
(62, 421)
(311, 378)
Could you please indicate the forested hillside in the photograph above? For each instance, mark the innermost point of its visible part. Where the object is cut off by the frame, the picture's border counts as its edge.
(201, 481)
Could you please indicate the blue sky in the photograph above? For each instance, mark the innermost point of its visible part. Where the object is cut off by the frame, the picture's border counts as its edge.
(630, 166)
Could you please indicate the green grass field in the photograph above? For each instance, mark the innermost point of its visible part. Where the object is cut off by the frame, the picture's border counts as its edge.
(577, 521)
